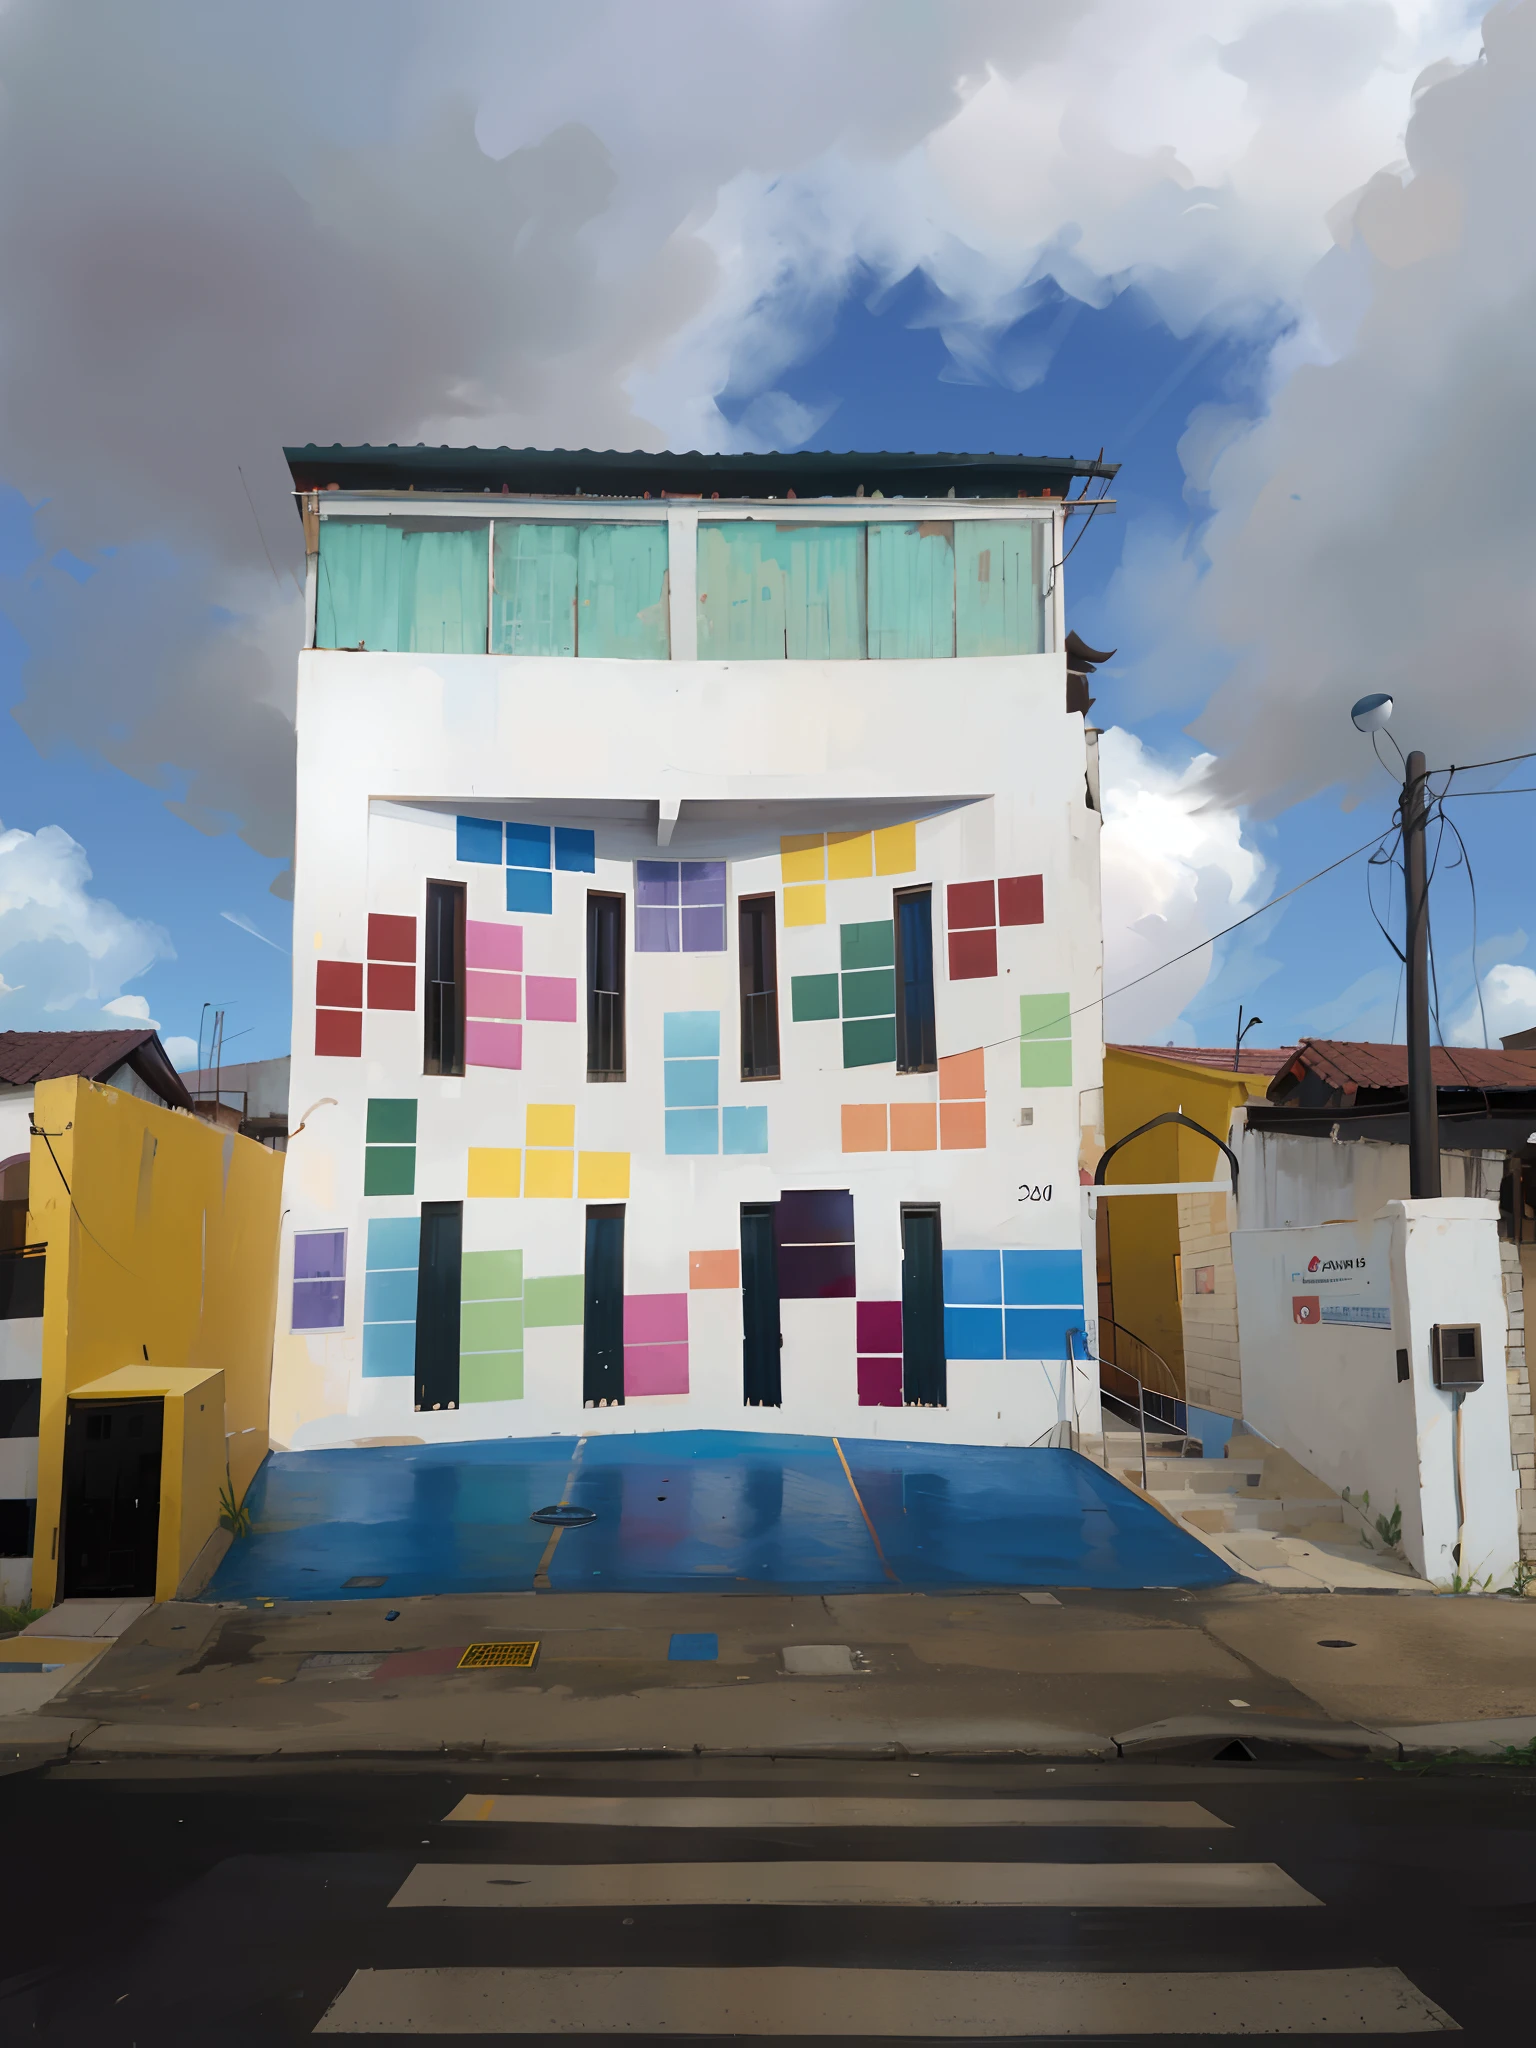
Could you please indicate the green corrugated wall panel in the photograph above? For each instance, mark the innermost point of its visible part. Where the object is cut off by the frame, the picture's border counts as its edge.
(911, 590)
(401, 590)
(997, 586)
(777, 591)
(621, 585)
(534, 611)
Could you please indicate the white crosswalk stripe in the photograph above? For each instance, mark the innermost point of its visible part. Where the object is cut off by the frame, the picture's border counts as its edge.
(850, 1884)
(787, 2000)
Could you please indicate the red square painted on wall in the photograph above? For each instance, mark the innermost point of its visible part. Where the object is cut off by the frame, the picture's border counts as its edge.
(972, 906)
(1021, 899)
(339, 1034)
(1306, 1308)
(391, 988)
(392, 938)
(339, 984)
(879, 1382)
(972, 955)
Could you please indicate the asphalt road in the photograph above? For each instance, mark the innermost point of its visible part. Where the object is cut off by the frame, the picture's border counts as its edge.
(174, 1903)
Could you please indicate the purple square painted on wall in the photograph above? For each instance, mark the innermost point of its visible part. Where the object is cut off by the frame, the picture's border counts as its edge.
(879, 1326)
(816, 1272)
(879, 1382)
(704, 930)
(814, 1216)
(656, 881)
(320, 1255)
(319, 1304)
(655, 930)
(704, 881)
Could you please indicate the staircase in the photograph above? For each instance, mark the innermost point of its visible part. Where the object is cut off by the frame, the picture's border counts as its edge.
(1259, 1510)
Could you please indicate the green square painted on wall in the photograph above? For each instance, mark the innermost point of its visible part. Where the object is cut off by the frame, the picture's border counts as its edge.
(1045, 1016)
(1045, 1063)
(869, 945)
(812, 997)
(490, 1326)
(871, 993)
(391, 1120)
(869, 1042)
(556, 1302)
(491, 1276)
(493, 1376)
(389, 1170)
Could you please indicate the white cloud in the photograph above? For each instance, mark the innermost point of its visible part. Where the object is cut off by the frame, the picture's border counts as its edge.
(1175, 870)
(64, 952)
(132, 1010)
(182, 1053)
(1509, 1001)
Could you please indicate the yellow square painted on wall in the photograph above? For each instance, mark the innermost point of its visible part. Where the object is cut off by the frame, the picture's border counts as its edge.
(807, 905)
(602, 1176)
(848, 856)
(803, 857)
(549, 1176)
(495, 1171)
(896, 850)
(551, 1123)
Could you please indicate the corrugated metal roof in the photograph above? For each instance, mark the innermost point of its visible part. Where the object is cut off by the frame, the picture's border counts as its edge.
(1253, 1059)
(638, 473)
(27, 1057)
(1352, 1063)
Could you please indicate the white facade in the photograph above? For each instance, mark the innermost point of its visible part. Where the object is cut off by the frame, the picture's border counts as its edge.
(924, 773)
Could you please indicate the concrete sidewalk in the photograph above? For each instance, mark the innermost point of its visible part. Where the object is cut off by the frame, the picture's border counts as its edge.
(1072, 1673)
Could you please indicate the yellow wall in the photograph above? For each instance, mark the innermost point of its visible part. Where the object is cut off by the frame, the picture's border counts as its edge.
(166, 1258)
(1144, 1229)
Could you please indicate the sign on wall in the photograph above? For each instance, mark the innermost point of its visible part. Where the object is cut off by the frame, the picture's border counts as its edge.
(1341, 1288)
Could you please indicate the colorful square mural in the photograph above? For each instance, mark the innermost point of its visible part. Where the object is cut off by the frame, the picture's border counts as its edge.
(679, 906)
(1011, 1304)
(1045, 1041)
(389, 1297)
(389, 1153)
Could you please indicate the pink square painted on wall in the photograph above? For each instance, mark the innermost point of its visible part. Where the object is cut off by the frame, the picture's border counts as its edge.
(655, 1318)
(550, 999)
(493, 1045)
(492, 995)
(655, 1369)
(493, 945)
(879, 1326)
(879, 1382)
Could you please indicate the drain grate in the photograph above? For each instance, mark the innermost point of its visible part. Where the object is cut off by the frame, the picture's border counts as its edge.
(494, 1656)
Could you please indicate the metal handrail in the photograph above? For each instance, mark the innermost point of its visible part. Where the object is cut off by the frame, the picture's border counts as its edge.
(1112, 1364)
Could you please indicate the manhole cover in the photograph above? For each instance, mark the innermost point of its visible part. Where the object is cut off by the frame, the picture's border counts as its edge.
(1334, 1643)
(362, 1582)
(563, 1516)
(490, 1656)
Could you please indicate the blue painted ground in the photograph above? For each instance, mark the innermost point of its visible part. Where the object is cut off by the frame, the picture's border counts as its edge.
(693, 1509)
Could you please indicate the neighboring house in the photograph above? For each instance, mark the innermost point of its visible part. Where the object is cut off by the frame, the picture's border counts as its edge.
(251, 1097)
(1146, 1289)
(137, 1291)
(697, 948)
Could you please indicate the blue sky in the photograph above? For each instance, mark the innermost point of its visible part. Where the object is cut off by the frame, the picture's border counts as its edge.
(1295, 350)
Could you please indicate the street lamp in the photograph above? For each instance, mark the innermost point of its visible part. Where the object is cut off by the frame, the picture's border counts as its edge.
(1370, 715)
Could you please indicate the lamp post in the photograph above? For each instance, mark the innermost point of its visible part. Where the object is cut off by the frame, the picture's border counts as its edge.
(1371, 715)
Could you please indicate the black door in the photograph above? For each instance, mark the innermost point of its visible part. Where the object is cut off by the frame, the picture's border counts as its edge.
(602, 1345)
(924, 1381)
(111, 1498)
(761, 1343)
(437, 1305)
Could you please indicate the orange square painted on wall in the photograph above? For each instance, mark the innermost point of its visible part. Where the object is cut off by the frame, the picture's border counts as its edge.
(864, 1127)
(962, 1126)
(914, 1127)
(714, 1269)
(963, 1076)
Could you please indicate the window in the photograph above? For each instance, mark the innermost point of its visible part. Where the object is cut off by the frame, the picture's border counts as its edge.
(1204, 1278)
(679, 906)
(602, 1341)
(443, 978)
(319, 1279)
(605, 987)
(917, 1042)
(759, 989)
(924, 1382)
(438, 1288)
(403, 586)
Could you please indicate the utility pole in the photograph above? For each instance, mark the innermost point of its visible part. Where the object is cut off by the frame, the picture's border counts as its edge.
(1423, 1102)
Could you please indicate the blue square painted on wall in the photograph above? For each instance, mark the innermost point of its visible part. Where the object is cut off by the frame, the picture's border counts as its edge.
(527, 846)
(389, 1351)
(744, 1129)
(693, 1649)
(693, 1133)
(690, 1034)
(531, 890)
(691, 1084)
(393, 1241)
(1042, 1332)
(575, 850)
(1031, 1277)
(973, 1332)
(479, 839)
(974, 1277)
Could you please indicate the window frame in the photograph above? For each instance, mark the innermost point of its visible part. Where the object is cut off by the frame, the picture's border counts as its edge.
(434, 1062)
(754, 907)
(620, 1030)
(904, 1064)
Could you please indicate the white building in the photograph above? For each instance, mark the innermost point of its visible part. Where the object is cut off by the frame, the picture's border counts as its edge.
(697, 950)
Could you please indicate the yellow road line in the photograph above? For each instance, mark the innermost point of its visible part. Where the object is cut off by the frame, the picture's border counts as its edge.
(864, 1511)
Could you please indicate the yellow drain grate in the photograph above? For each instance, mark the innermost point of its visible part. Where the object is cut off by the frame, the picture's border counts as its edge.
(489, 1656)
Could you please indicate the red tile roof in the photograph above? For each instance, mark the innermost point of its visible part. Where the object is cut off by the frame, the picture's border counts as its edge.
(1253, 1059)
(30, 1056)
(1349, 1063)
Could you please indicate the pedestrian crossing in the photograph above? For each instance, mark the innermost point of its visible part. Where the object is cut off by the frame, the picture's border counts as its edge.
(759, 1854)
